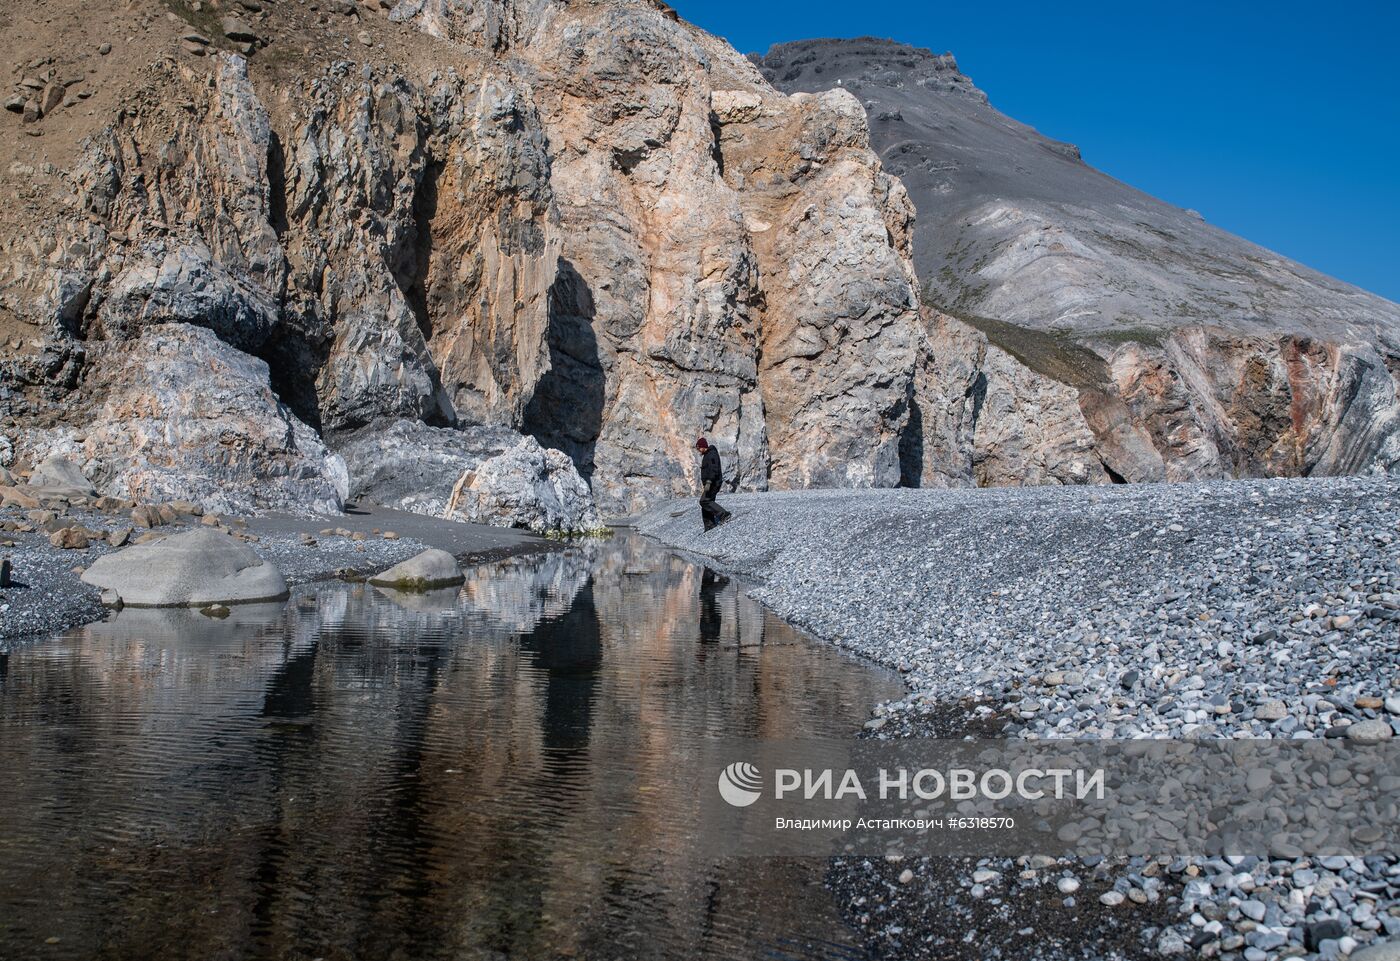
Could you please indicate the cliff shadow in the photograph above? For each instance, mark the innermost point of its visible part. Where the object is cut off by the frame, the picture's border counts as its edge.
(295, 356)
(412, 260)
(911, 443)
(566, 411)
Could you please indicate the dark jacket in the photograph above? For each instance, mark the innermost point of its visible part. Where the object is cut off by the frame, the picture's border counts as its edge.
(711, 472)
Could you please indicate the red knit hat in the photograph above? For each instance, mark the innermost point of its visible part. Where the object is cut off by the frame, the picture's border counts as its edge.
(702, 444)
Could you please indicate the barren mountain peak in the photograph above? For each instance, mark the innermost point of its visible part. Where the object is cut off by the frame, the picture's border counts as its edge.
(866, 59)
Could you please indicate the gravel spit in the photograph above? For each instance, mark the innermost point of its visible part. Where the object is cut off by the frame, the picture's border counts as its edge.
(1258, 609)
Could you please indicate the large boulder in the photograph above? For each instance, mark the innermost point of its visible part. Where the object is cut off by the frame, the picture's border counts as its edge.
(431, 569)
(483, 475)
(526, 486)
(411, 466)
(188, 570)
(58, 476)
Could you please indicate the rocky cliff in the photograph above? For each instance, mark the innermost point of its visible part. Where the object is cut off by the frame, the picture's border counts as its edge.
(490, 258)
(1095, 332)
(586, 222)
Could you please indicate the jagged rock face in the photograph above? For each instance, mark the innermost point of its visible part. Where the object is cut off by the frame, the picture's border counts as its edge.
(1226, 359)
(176, 227)
(602, 229)
(989, 420)
(320, 249)
(654, 338)
(707, 222)
(322, 246)
(420, 221)
(1239, 406)
(839, 335)
(594, 225)
(184, 416)
(1203, 403)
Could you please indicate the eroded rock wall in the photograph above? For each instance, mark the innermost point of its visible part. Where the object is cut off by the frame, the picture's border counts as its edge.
(733, 262)
(1202, 404)
(1223, 405)
(597, 226)
(388, 246)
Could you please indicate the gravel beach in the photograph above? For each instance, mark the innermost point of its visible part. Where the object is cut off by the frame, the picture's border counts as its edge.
(1228, 609)
(46, 595)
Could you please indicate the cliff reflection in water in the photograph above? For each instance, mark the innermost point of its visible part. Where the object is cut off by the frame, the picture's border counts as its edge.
(365, 774)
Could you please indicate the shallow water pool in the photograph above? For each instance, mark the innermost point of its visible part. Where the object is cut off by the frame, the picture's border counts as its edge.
(357, 773)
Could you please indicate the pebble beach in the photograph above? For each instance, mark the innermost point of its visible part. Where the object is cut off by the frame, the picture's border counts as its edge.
(1242, 609)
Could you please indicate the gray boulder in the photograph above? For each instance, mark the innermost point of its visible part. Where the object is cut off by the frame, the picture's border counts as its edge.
(1381, 951)
(188, 570)
(411, 466)
(527, 486)
(1374, 729)
(431, 569)
(60, 477)
(483, 475)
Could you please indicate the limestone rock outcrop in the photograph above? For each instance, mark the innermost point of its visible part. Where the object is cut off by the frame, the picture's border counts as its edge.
(484, 239)
(588, 223)
(736, 266)
(177, 414)
(1001, 405)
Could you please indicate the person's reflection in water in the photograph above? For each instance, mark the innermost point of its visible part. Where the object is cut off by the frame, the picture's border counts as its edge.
(711, 620)
(569, 648)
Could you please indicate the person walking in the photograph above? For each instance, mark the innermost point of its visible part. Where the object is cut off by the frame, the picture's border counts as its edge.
(711, 477)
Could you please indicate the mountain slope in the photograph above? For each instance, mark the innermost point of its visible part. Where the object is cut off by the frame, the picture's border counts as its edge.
(1218, 357)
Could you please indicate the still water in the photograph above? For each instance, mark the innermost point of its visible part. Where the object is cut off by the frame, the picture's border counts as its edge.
(357, 773)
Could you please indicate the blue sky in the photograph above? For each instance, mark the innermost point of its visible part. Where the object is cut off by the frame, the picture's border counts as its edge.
(1278, 121)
